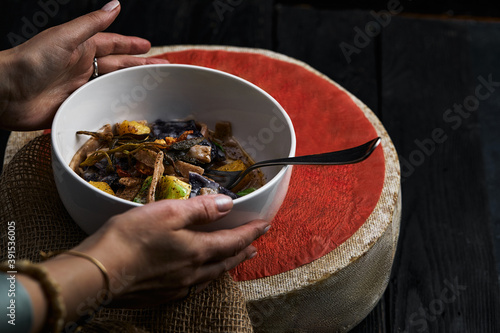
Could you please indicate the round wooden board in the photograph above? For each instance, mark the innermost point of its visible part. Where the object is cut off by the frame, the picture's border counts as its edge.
(336, 291)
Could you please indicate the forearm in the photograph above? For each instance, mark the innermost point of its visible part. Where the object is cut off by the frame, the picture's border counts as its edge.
(6, 64)
(82, 285)
(79, 281)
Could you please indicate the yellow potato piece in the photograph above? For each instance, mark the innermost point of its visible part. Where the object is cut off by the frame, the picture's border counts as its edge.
(161, 141)
(132, 127)
(236, 165)
(103, 186)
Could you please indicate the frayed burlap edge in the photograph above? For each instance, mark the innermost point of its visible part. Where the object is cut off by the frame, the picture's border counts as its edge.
(16, 141)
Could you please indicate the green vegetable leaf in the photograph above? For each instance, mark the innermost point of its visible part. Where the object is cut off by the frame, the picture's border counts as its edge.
(245, 192)
(141, 197)
(219, 146)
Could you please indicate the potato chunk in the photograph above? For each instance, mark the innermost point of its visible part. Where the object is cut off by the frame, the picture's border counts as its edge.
(132, 127)
(103, 186)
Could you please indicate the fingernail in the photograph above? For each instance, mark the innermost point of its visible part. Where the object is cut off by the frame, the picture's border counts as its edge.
(111, 5)
(252, 255)
(224, 203)
(266, 229)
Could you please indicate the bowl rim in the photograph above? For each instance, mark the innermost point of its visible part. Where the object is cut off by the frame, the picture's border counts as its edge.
(270, 183)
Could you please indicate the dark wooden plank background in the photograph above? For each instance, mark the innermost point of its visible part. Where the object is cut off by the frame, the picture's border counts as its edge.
(446, 234)
(410, 73)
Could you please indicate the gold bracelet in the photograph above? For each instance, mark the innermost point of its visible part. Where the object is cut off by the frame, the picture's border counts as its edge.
(84, 319)
(51, 289)
(93, 260)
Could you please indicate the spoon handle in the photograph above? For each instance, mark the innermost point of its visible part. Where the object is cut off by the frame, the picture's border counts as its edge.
(346, 156)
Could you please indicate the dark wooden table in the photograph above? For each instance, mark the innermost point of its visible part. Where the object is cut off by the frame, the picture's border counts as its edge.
(434, 82)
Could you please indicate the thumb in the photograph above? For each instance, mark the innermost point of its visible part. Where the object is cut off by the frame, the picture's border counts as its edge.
(86, 26)
(208, 208)
(198, 210)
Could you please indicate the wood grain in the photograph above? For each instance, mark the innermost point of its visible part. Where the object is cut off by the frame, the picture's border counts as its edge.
(315, 36)
(484, 54)
(445, 237)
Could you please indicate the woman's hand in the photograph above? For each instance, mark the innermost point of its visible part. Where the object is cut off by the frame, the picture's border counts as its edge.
(41, 73)
(151, 256)
(154, 257)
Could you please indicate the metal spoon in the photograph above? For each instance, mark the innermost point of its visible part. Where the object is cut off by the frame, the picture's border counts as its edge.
(229, 179)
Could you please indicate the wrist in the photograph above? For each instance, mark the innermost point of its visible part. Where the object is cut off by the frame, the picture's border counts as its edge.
(110, 249)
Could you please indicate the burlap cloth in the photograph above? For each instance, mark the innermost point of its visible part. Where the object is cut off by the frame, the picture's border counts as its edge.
(29, 197)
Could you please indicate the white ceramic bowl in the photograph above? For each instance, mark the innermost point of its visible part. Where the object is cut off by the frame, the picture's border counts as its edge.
(171, 92)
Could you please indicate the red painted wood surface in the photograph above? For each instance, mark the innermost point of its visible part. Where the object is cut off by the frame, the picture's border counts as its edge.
(325, 205)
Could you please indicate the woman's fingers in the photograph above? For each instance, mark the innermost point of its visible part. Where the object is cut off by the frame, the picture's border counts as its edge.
(200, 287)
(112, 63)
(174, 258)
(212, 270)
(86, 26)
(107, 43)
(222, 244)
(208, 272)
